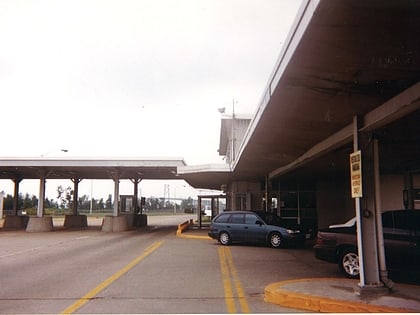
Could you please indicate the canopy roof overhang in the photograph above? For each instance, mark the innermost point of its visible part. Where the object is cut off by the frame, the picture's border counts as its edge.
(90, 168)
(341, 59)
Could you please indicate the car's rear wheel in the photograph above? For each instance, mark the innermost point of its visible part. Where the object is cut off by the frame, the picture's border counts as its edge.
(224, 238)
(349, 263)
(276, 240)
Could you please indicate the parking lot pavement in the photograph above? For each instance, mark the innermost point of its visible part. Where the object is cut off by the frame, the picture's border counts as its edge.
(334, 295)
(294, 290)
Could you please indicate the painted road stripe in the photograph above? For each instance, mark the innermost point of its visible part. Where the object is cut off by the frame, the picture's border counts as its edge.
(227, 285)
(91, 294)
(229, 273)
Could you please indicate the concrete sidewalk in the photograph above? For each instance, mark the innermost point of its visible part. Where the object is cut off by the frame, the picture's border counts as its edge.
(331, 295)
(336, 295)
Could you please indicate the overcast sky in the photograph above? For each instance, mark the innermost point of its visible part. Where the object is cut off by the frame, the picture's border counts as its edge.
(132, 78)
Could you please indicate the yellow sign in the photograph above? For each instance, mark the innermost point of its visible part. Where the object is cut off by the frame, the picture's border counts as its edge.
(356, 174)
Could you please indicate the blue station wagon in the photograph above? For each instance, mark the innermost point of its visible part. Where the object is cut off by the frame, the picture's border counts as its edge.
(247, 226)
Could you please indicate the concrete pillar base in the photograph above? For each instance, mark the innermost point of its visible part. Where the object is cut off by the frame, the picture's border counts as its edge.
(114, 224)
(370, 290)
(75, 221)
(15, 221)
(38, 224)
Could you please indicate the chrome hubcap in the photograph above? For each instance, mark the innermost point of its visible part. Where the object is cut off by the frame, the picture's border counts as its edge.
(275, 240)
(224, 238)
(351, 264)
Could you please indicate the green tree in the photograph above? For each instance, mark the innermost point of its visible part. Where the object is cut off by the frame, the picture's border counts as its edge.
(84, 202)
(64, 196)
(108, 203)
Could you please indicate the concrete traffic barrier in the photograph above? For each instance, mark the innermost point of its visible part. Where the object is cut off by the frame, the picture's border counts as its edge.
(40, 224)
(15, 221)
(114, 224)
(75, 221)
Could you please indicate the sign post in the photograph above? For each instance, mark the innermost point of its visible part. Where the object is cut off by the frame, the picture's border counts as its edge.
(356, 174)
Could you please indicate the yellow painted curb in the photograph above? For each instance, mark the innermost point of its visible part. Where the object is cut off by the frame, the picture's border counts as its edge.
(184, 226)
(274, 293)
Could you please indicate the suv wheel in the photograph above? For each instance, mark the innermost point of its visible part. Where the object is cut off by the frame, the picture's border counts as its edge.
(349, 263)
(224, 238)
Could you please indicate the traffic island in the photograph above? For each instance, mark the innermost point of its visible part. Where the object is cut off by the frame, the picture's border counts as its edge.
(40, 224)
(114, 224)
(75, 221)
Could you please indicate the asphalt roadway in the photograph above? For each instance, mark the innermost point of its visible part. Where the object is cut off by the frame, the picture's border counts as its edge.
(156, 270)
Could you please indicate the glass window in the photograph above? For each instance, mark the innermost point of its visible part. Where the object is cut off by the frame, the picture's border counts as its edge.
(274, 203)
(289, 199)
(307, 199)
(250, 219)
(237, 218)
(224, 218)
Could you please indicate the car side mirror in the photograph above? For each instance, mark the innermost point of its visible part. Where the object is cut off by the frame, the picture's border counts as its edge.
(258, 222)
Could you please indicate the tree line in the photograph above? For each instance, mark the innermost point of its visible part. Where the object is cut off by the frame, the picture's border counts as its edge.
(64, 201)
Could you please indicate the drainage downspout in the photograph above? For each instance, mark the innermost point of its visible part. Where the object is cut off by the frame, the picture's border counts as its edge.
(383, 272)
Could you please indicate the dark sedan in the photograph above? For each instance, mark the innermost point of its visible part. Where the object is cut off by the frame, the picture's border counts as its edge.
(401, 230)
(274, 219)
(247, 226)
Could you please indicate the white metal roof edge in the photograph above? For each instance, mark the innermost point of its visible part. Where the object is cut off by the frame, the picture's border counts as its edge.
(302, 20)
(99, 161)
(204, 168)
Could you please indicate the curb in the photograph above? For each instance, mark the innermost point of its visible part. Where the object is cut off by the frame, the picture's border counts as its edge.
(276, 293)
(184, 226)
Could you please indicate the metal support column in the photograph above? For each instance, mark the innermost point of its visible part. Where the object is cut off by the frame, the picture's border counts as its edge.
(76, 182)
(366, 214)
(116, 193)
(383, 272)
(136, 182)
(16, 182)
(199, 212)
(41, 199)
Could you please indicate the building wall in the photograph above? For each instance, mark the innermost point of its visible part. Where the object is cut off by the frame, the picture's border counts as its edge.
(392, 187)
(334, 203)
(249, 192)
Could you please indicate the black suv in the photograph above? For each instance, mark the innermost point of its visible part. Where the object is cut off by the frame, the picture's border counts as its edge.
(401, 230)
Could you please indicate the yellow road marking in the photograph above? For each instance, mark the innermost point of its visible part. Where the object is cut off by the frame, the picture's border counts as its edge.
(239, 289)
(229, 271)
(91, 294)
(230, 303)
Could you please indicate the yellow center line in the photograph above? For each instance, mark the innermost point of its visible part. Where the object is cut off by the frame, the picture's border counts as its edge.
(230, 302)
(91, 294)
(229, 271)
(239, 289)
